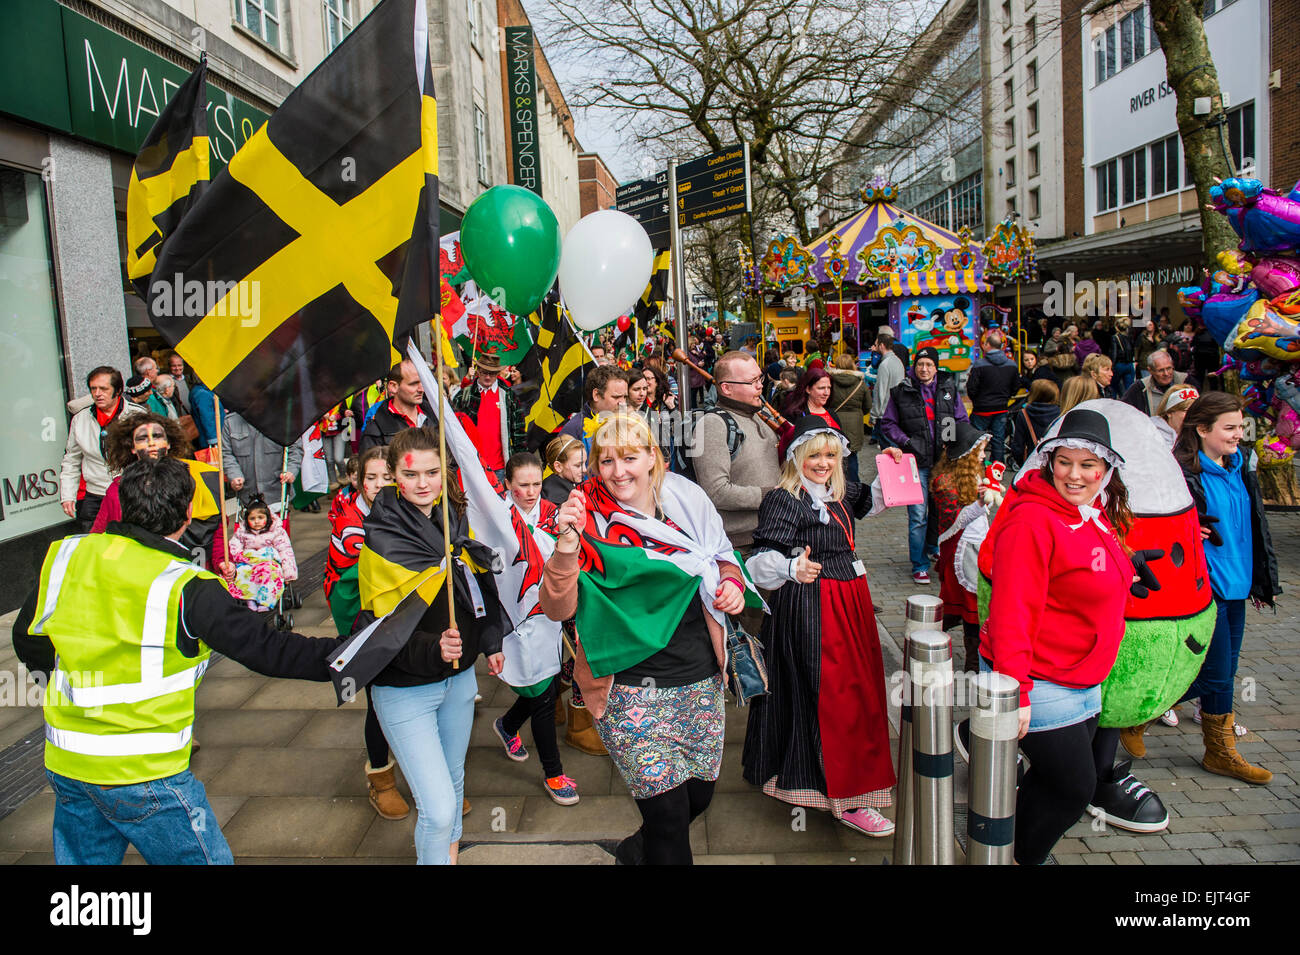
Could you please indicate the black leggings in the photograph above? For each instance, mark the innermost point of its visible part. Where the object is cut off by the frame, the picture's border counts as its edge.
(541, 710)
(376, 744)
(1062, 777)
(667, 821)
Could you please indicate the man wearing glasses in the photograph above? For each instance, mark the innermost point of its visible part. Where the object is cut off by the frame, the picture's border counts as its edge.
(735, 453)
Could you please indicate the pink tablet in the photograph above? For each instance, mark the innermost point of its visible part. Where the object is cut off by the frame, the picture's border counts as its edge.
(899, 483)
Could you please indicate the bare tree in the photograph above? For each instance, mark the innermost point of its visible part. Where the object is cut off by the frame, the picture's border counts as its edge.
(789, 77)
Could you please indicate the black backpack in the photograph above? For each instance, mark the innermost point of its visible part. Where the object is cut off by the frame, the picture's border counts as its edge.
(683, 460)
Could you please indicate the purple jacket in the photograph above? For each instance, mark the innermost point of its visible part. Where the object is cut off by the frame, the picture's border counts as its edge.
(1085, 348)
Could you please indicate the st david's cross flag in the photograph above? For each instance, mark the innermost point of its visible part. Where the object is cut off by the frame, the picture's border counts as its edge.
(308, 262)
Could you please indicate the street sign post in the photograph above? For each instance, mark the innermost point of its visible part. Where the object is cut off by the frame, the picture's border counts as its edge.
(646, 201)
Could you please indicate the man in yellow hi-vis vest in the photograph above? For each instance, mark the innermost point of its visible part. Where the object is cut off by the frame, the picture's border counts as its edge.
(120, 627)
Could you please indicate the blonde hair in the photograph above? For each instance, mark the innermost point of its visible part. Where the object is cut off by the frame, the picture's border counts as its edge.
(623, 431)
(1095, 363)
(792, 467)
(1077, 390)
(559, 449)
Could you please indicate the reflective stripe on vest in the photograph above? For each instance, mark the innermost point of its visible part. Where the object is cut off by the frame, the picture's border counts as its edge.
(92, 696)
(57, 571)
(123, 744)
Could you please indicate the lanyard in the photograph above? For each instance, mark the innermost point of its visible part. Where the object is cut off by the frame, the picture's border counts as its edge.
(848, 531)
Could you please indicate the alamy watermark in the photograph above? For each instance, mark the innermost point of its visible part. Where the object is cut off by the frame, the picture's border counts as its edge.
(176, 297)
(1088, 298)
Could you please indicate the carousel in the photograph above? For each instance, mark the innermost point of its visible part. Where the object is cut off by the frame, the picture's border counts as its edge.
(884, 265)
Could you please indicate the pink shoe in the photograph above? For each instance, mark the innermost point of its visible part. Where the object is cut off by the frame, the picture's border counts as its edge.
(868, 822)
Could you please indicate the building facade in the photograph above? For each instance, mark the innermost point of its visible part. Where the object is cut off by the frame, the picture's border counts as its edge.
(596, 184)
(81, 83)
(1131, 212)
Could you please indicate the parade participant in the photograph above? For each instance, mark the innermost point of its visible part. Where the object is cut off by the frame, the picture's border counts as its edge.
(425, 696)
(1040, 410)
(638, 393)
(810, 396)
(651, 633)
(1077, 390)
(1100, 369)
(604, 389)
(495, 413)
(84, 475)
(567, 459)
(261, 559)
(1239, 551)
(347, 534)
(400, 411)
(1145, 395)
(1169, 415)
(254, 464)
(1056, 619)
(820, 737)
(123, 741)
(922, 409)
(889, 372)
(954, 484)
(536, 636)
(990, 386)
(849, 402)
(151, 435)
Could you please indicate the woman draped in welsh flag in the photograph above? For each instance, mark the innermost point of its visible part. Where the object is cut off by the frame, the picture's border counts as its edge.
(643, 561)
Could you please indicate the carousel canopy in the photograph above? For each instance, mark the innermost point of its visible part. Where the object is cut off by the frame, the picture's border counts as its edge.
(893, 252)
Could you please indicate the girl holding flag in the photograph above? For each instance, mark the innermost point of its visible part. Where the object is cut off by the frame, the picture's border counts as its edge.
(644, 563)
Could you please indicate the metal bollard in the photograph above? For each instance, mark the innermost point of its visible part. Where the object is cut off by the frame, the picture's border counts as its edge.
(929, 661)
(994, 732)
(923, 612)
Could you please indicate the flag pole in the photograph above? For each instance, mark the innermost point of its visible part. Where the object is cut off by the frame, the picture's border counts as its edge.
(446, 477)
(221, 484)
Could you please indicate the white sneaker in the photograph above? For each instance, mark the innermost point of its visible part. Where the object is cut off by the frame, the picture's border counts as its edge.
(1170, 717)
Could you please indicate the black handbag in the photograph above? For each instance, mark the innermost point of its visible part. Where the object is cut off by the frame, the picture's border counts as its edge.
(746, 671)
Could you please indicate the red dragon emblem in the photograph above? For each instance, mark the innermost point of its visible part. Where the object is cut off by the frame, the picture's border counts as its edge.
(601, 503)
(530, 555)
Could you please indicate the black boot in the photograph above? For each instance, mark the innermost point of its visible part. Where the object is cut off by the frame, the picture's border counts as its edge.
(631, 851)
(1127, 804)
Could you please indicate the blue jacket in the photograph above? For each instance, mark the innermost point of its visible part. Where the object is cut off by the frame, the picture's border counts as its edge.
(203, 408)
(1226, 497)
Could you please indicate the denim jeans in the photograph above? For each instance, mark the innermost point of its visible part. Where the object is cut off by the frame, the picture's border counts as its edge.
(851, 466)
(1214, 684)
(1124, 374)
(428, 730)
(995, 425)
(168, 820)
(916, 519)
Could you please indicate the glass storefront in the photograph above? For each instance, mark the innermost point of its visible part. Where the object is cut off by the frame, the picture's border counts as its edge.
(33, 429)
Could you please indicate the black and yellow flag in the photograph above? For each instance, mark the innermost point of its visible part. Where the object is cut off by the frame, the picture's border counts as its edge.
(563, 360)
(652, 300)
(169, 175)
(289, 284)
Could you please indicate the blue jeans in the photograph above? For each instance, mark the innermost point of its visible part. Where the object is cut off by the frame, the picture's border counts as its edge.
(996, 425)
(916, 516)
(168, 820)
(851, 466)
(428, 731)
(1214, 683)
(1123, 377)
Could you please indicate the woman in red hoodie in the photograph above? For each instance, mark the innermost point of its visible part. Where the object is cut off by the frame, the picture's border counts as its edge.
(1056, 619)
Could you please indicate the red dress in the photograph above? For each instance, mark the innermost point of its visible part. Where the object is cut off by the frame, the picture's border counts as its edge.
(958, 602)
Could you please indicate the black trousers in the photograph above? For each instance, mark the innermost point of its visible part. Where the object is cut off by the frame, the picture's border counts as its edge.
(88, 510)
(1065, 766)
(541, 711)
(376, 745)
(667, 818)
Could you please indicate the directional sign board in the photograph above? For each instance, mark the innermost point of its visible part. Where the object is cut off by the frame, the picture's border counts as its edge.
(712, 186)
(646, 201)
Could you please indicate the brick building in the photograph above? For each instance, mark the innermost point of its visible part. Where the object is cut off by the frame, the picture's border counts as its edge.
(596, 184)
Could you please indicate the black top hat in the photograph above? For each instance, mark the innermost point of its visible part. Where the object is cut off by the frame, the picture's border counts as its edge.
(965, 440)
(808, 425)
(1084, 424)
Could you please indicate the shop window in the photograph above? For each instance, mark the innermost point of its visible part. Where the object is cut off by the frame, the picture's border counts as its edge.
(262, 18)
(1107, 185)
(32, 388)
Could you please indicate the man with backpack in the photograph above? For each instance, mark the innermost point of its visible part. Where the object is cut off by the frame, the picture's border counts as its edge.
(734, 453)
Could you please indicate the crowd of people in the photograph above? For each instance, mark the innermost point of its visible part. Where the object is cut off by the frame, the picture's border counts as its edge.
(755, 517)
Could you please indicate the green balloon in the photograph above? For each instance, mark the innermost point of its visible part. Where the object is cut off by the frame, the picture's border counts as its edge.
(511, 242)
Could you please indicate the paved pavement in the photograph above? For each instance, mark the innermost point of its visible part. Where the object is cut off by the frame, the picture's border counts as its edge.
(283, 765)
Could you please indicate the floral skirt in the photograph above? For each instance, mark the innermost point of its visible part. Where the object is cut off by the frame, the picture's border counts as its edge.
(258, 577)
(663, 736)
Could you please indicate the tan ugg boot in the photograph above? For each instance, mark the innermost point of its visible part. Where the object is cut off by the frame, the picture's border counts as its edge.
(581, 734)
(388, 802)
(1221, 756)
(1131, 739)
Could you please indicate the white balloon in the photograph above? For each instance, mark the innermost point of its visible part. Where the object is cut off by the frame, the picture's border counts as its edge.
(605, 265)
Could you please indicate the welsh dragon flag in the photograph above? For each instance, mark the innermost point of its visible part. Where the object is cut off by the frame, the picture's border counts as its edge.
(472, 320)
(532, 649)
(639, 574)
